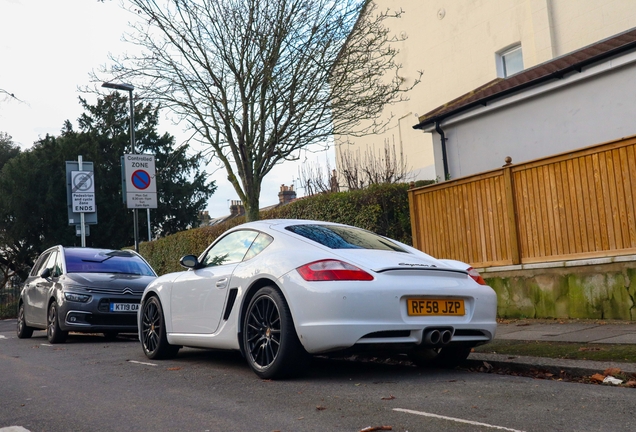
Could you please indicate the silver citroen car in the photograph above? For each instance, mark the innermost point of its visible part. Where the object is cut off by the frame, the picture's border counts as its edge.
(83, 290)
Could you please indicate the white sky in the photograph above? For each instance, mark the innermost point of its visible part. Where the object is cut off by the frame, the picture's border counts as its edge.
(48, 48)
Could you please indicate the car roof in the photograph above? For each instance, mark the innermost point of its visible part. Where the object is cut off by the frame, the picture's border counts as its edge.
(266, 223)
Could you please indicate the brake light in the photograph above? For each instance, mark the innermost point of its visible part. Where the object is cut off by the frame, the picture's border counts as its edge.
(476, 276)
(332, 270)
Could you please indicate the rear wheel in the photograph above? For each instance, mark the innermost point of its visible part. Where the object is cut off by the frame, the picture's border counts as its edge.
(446, 357)
(24, 331)
(270, 342)
(53, 331)
(153, 331)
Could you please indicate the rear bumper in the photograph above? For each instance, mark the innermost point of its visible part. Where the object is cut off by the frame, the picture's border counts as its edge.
(332, 316)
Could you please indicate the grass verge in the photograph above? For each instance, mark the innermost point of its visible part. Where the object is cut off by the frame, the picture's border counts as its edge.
(562, 350)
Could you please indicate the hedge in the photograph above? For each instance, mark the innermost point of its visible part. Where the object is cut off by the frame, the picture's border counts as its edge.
(380, 208)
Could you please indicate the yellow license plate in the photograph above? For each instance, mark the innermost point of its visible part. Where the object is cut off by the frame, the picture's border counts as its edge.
(435, 307)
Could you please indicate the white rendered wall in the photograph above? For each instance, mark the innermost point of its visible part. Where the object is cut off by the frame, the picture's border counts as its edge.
(569, 114)
(457, 53)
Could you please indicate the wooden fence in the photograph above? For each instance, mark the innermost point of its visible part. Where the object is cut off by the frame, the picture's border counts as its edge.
(574, 205)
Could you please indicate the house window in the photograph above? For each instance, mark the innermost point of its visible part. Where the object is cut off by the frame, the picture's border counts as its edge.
(510, 61)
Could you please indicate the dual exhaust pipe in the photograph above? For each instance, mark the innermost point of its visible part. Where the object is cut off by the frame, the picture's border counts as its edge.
(438, 337)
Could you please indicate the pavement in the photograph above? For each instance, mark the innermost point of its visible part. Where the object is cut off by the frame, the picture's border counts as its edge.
(579, 331)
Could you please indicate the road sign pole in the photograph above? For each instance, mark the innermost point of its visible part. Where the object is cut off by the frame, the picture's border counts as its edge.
(149, 232)
(82, 226)
(132, 148)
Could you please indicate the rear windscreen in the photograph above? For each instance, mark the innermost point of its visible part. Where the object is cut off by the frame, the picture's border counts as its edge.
(342, 237)
(116, 262)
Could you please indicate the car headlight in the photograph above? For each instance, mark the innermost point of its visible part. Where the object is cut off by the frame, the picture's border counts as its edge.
(82, 298)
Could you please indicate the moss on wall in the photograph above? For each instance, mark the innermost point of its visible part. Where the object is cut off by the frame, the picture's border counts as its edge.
(597, 292)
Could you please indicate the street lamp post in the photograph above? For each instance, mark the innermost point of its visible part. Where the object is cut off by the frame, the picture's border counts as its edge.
(129, 88)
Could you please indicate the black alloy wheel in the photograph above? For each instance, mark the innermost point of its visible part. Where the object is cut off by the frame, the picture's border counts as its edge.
(153, 331)
(23, 330)
(270, 342)
(53, 331)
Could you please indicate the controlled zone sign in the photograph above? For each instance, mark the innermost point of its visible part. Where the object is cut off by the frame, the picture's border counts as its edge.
(140, 181)
(83, 192)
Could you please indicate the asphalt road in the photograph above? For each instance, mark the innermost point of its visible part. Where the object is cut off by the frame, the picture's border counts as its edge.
(89, 384)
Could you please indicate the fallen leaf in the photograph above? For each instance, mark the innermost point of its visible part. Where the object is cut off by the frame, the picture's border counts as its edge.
(174, 369)
(321, 408)
(523, 324)
(376, 428)
(390, 397)
(597, 377)
(631, 384)
(612, 371)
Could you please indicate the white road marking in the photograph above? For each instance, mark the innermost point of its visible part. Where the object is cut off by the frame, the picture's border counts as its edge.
(142, 363)
(3, 337)
(46, 344)
(408, 411)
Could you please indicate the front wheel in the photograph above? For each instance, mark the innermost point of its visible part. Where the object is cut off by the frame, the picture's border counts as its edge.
(24, 331)
(447, 357)
(153, 331)
(53, 331)
(270, 342)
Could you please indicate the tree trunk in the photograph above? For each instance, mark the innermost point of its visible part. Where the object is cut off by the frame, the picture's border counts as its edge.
(251, 208)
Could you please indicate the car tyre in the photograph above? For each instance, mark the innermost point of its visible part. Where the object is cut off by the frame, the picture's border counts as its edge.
(153, 331)
(53, 331)
(24, 331)
(446, 357)
(270, 342)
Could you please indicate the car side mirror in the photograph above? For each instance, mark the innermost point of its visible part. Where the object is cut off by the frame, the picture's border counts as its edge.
(189, 261)
(46, 273)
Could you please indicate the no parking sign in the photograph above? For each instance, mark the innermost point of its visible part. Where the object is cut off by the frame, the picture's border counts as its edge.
(141, 184)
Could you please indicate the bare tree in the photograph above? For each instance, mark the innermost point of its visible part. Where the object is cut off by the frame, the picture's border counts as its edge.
(356, 170)
(316, 179)
(8, 95)
(359, 170)
(257, 81)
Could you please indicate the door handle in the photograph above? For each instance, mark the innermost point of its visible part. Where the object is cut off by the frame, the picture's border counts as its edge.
(221, 283)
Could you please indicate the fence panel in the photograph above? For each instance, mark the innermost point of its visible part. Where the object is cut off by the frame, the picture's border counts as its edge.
(574, 205)
(464, 219)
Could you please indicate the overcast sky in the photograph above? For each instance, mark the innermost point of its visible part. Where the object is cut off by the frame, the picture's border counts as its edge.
(48, 48)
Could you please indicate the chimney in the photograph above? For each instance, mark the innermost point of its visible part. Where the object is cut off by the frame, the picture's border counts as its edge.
(204, 218)
(286, 194)
(236, 208)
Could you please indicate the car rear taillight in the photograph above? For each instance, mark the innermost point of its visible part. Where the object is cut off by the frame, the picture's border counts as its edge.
(332, 270)
(476, 276)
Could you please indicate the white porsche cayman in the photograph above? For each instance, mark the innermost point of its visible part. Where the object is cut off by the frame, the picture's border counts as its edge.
(280, 290)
